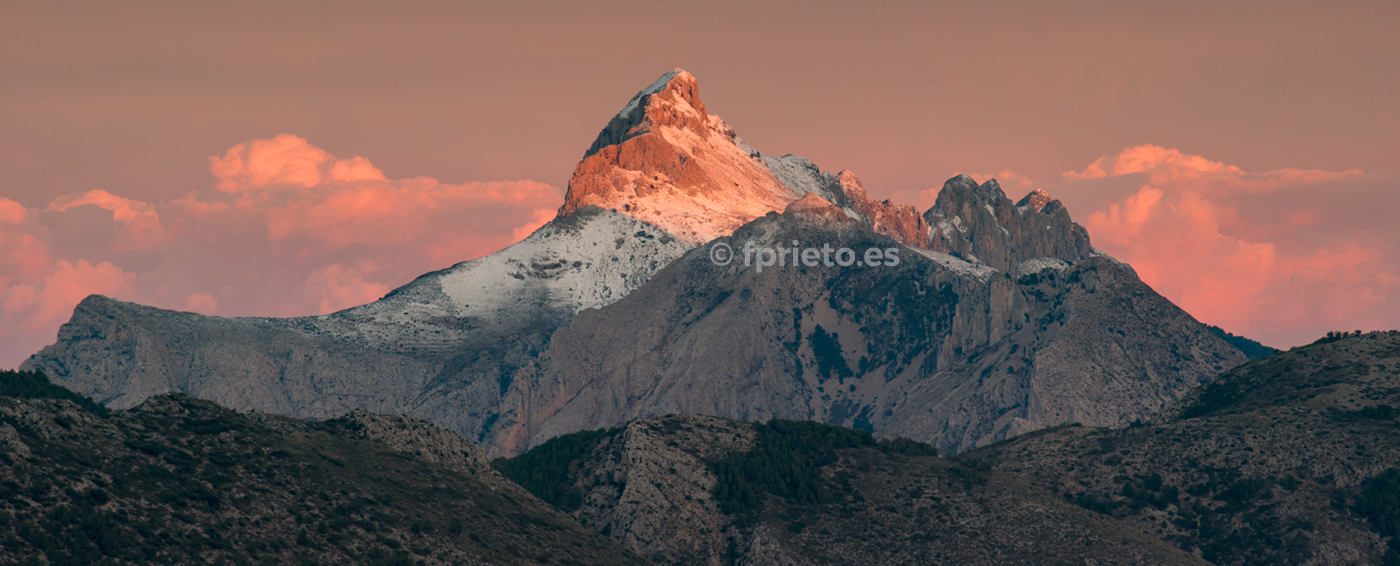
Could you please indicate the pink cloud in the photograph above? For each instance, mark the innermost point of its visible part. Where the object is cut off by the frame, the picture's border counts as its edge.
(46, 304)
(312, 202)
(202, 303)
(24, 250)
(1167, 166)
(338, 287)
(11, 212)
(285, 160)
(285, 229)
(1233, 249)
(143, 228)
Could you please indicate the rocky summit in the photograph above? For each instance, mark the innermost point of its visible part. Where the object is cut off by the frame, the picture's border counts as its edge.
(986, 318)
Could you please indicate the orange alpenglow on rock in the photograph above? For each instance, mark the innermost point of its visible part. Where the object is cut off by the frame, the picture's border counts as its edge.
(813, 206)
(665, 160)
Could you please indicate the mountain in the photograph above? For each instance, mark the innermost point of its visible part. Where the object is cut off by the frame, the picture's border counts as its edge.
(978, 223)
(988, 319)
(702, 490)
(936, 348)
(442, 347)
(665, 160)
(176, 480)
(1289, 459)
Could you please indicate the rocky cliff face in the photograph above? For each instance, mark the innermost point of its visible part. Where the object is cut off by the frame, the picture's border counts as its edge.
(934, 348)
(978, 223)
(665, 160)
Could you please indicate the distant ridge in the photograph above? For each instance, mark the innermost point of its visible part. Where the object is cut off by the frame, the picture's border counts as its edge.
(1251, 349)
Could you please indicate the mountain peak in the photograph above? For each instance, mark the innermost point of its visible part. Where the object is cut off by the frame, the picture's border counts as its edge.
(667, 161)
(978, 223)
(812, 206)
(1036, 199)
(671, 100)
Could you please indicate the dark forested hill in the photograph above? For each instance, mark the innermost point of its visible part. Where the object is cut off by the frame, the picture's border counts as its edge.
(1290, 459)
(703, 490)
(182, 481)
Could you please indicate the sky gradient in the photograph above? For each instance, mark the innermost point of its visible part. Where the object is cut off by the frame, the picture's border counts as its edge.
(276, 160)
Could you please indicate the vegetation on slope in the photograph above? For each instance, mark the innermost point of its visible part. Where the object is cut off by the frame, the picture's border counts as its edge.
(786, 461)
(544, 470)
(1283, 460)
(1250, 348)
(182, 481)
(703, 490)
(36, 385)
(1379, 503)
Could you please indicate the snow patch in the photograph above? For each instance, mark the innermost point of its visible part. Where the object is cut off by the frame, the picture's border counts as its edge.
(1038, 264)
(978, 270)
(588, 259)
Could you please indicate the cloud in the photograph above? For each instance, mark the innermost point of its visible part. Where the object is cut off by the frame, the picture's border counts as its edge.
(311, 202)
(338, 287)
(1164, 166)
(1277, 255)
(47, 303)
(143, 228)
(285, 160)
(24, 250)
(284, 229)
(37, 291)
(201, 303)
(11, 212)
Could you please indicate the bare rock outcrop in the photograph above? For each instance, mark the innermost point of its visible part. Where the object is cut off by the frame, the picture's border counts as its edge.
(899, 221)
(665, 160)
(978, 223)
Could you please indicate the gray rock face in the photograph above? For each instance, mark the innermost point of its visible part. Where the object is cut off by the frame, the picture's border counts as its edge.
(934, 348)
(978, 223)
(443, 347)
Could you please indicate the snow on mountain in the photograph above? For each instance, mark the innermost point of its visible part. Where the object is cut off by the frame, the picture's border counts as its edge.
(586, 259)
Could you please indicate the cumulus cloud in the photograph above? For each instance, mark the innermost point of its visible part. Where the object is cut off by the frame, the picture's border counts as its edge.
(337, 287)
(1166, 166)
(142, 223)
(284, 229)
(1278, 255)
(38, 291)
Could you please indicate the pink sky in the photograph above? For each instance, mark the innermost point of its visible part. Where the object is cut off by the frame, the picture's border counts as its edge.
(286, 160)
